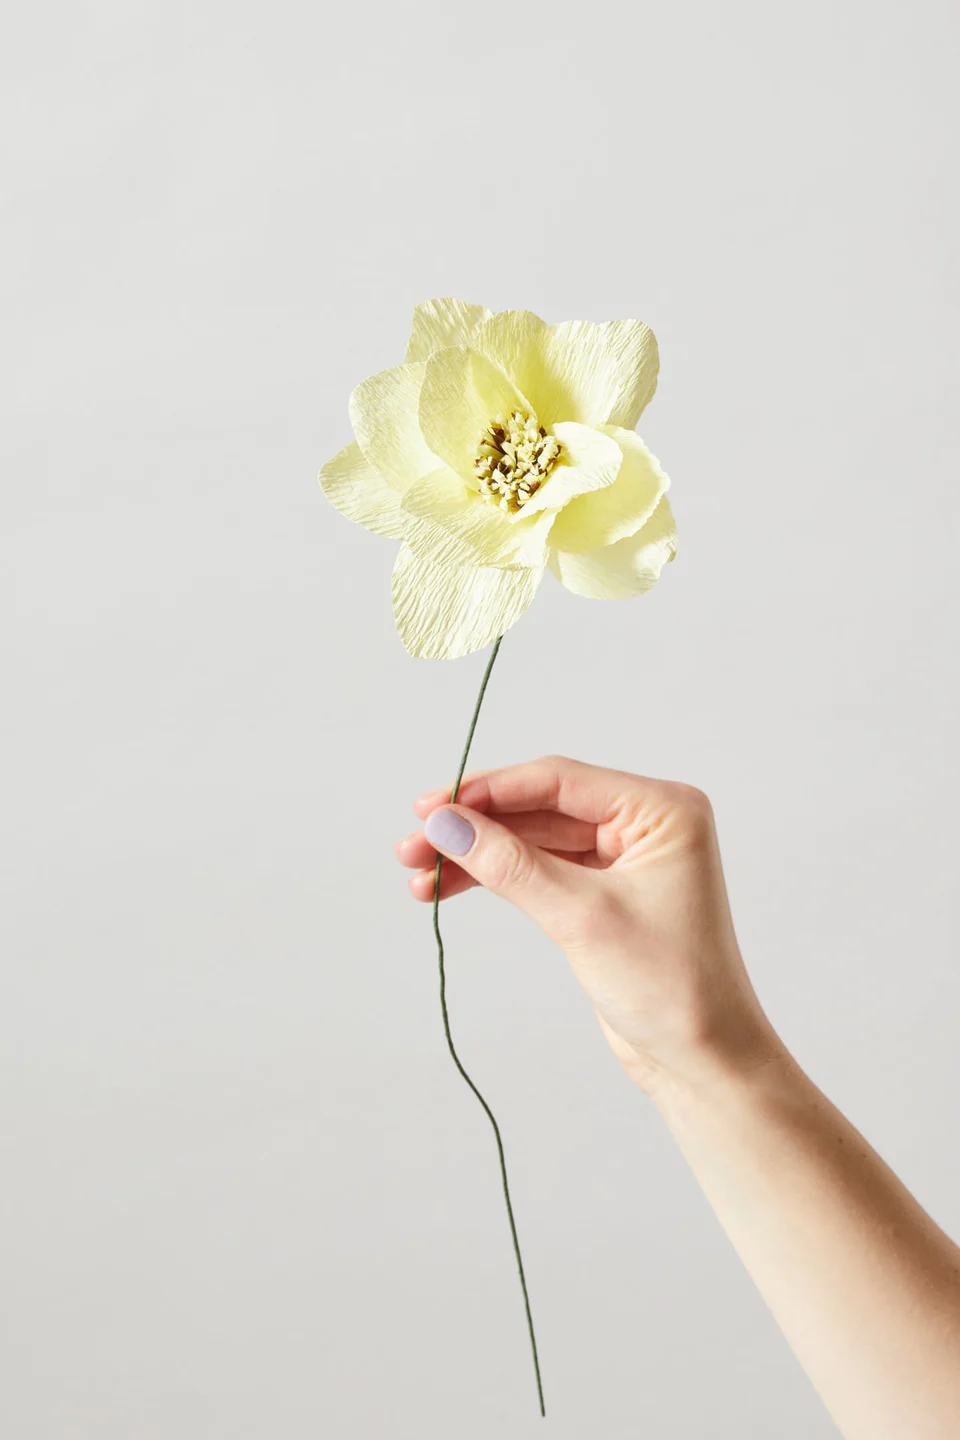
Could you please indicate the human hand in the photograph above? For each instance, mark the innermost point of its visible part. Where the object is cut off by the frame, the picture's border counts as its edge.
(624, 874)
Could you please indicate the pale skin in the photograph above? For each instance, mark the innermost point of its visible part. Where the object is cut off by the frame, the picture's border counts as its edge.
(624, 875)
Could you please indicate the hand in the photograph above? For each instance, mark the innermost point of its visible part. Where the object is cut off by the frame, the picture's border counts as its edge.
(624, 874)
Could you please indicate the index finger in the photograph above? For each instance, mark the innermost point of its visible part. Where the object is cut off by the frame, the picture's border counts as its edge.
(586, 792)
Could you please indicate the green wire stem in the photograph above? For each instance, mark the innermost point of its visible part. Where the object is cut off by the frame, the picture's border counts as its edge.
(450, 1045)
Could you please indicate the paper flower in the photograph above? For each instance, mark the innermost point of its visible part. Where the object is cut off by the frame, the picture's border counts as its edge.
(504, 446)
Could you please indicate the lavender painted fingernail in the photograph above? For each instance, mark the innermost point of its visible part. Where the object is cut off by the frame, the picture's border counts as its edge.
(449, 831)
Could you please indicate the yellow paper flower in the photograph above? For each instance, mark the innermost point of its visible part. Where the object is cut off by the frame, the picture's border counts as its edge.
(501, 447)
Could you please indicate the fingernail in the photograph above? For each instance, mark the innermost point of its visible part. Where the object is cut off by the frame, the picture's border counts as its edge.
(449, 831)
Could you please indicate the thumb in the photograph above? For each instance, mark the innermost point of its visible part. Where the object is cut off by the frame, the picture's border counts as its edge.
(531, 878)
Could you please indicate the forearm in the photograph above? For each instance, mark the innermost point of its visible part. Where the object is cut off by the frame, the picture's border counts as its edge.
(864, 1285)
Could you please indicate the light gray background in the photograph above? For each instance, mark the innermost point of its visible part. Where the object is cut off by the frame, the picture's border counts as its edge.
(244, 1194)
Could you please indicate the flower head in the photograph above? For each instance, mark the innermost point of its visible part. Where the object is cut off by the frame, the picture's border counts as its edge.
(502, 447)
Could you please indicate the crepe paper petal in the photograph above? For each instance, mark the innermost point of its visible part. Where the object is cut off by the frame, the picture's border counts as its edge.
(627, 568)
(384, 415)
(632, 348)
(360, 493)
(516, 340)
(590, 462)
(594, 373)
(444, 611)
(443, 322)
(608, 515)
(451, 524)
(462, 392)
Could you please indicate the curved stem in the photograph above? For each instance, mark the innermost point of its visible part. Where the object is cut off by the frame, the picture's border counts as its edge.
(450, 1045)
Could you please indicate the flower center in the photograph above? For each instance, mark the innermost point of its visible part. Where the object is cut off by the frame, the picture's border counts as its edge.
(514, 458)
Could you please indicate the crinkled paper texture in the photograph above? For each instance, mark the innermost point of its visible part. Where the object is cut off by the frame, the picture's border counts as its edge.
(626, 568)
(600, 521)
(444, 611)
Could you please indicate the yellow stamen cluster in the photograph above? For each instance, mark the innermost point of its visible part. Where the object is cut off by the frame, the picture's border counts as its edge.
(514, 458)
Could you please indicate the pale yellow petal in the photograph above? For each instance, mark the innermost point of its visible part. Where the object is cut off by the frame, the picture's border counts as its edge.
(443, 322)
(516, 340)
(611, 514)
(594, 373)
(384, 413)
(634, 365)
(360, 493)
(590, 461)
(448, 521)
(628, 568)
(443, 611)
(462, 392)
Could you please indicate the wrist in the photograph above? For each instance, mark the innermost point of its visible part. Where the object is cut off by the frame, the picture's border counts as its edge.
(711, 1072)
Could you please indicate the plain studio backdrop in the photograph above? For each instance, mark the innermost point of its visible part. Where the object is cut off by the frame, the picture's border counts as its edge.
(244, 1194)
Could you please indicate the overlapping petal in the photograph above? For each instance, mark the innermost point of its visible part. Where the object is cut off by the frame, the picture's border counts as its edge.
(594, 373)
(449, 522)
(629, 567)
(359, 492)
(590, 463)
(444, 611)
(462, 392)
(443, 322)
(613, 513)
(384, 412)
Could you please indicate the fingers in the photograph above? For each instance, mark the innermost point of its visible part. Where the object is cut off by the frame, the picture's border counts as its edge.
(585, 792)
(541, 827)
(493, 855)
(430, 799)
(453, 881)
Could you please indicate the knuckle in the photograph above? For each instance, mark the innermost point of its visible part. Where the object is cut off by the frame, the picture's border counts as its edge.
(550, 768)
(695, 801)
(553, 773)
(510, 865)
(695, 811)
